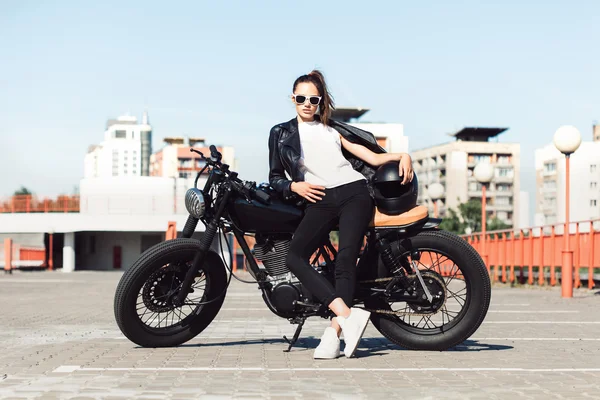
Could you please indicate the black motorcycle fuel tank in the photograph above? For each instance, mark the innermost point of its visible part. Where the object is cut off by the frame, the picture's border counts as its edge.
(253, 216)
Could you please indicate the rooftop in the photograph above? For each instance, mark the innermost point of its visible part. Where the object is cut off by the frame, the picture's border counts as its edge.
(345, 114)
(477, 134)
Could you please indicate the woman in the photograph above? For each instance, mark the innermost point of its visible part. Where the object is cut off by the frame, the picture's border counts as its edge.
(329, 163)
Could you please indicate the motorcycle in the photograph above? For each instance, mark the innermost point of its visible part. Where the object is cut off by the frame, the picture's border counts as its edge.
(426, 289)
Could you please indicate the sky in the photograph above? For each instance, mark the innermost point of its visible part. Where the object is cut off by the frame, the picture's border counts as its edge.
(224, 70)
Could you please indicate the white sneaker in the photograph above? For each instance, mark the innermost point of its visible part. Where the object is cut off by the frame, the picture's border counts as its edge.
(329, 346)
(353, 328)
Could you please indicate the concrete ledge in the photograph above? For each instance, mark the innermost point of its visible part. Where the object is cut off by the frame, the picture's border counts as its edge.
(76, 222)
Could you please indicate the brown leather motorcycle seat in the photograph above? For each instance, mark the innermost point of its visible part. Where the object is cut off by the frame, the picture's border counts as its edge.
(410, 217)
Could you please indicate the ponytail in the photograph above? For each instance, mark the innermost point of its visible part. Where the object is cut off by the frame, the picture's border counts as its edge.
(327, 105)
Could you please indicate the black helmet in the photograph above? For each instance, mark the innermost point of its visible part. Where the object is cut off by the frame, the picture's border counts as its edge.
(391, 196)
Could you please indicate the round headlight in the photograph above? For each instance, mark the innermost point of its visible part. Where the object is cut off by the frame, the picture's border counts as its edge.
(194, 202)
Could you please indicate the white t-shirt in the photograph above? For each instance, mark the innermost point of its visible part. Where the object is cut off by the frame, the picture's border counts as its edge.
(322, 160)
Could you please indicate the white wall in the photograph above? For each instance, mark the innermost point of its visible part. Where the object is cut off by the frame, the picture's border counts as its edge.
(456, 179)
(394, 133)
(135, 195)
(130, 242)
(523, 209)
(102, 258)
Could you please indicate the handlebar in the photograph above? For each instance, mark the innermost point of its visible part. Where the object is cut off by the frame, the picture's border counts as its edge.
(245, 187)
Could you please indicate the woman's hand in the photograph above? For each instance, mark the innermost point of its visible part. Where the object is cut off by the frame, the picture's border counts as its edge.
(310, 192)
(406, 169)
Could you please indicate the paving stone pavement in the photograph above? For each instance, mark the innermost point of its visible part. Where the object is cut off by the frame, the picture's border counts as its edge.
(60, 341)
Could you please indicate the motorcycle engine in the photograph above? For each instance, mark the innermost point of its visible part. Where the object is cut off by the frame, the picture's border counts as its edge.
(272, 252)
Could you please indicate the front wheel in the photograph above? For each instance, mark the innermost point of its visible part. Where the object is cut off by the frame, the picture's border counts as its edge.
(455, 273)
(143, 300)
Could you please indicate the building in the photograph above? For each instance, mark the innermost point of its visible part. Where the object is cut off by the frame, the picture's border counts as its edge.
(452, 164)
(175, 160)
(125, 151)
(585, 183)
(118, 218)
(390, 136)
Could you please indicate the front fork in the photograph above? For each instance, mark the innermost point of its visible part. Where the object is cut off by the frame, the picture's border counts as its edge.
(205, 243)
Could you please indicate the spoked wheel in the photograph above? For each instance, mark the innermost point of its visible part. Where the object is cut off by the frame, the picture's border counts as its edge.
(457, 279)
(155, 299)
(144, 307)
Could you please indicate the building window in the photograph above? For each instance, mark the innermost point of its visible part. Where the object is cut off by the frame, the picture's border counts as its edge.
(593, 202)
(593, 168)
(477, 158)
(550, 185)
(115, 172)
(504, 172)
(593, 185)
(502, 187)
(549, 167)
(120, 134)
(504, 160)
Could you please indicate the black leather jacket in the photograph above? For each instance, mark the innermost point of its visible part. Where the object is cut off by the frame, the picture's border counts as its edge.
(285, 153)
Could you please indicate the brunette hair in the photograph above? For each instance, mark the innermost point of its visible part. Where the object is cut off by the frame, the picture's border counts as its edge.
(326, 106)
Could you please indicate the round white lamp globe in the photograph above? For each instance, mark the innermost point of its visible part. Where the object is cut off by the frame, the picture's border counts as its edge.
(435, 191)
(484, 172)
(567, 139)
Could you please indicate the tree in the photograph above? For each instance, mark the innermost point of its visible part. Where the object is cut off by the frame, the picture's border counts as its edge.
(494, 224)
(22, 192)
(469, 216)
(452, 223)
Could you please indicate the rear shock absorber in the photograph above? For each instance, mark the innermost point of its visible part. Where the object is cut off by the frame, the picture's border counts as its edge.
(393, 264)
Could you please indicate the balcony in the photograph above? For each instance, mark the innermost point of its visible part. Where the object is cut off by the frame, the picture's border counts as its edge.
(503, 207)
(503, 179)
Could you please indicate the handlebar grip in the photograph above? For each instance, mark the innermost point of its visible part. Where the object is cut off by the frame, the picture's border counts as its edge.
(262, 197)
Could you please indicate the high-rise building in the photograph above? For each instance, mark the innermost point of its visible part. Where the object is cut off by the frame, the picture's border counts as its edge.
(175, 160)
(125, 150)
(596, 133)
(451, 164)
(551, 179)
(390, 136)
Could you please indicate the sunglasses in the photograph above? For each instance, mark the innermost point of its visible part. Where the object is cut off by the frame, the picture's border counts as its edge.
(300, 99)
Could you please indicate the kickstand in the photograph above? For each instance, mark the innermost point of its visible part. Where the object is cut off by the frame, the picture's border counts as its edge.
(295, 338)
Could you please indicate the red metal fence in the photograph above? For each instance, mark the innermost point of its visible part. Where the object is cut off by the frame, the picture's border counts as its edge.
(536, 252)
(33, 204)
(16, 256)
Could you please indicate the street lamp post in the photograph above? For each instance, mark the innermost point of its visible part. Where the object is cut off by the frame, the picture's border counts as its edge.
(435, 191)
(567, 139)
(484, 172)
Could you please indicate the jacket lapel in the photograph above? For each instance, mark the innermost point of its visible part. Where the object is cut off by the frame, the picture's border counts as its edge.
(293, 137)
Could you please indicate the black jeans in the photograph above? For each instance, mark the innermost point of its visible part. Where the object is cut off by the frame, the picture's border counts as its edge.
(349, 205)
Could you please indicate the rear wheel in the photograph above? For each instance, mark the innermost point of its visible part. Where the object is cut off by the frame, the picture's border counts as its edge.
(143, 304)
(453, 272)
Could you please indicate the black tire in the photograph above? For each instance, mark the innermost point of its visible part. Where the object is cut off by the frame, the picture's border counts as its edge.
(477, 282)
(171, 251)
